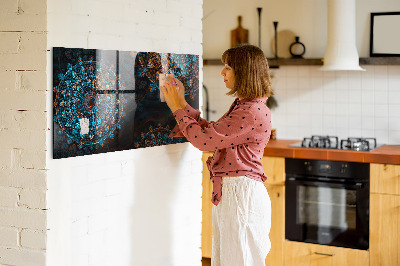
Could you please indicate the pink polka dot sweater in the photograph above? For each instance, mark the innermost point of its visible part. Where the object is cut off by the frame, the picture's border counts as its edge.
(238, 139)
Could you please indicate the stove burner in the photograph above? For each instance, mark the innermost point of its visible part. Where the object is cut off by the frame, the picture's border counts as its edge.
(328, 142)
(358, 144)
(332, 142)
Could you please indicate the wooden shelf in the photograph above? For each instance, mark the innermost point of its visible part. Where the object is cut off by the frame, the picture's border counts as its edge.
(274, 63)
(380, 61)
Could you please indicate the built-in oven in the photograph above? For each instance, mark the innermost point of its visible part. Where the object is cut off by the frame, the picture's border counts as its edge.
(327, 202)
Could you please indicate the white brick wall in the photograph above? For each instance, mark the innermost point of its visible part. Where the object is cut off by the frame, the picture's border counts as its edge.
(23, 218)
(9, 237)
(137, 207)
(101, 206)
(33, 239)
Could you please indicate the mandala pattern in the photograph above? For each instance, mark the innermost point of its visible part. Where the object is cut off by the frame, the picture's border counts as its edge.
(107, 101)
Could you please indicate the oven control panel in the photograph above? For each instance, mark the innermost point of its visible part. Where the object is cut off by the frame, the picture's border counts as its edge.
(338, 169)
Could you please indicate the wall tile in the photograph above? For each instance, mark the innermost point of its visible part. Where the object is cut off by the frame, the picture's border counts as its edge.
(342, 96)
(381, 97)
(394, 97)
(355, 132)
(382, 110)
(367, 82)
(381, 83)
(380, 71)
(394, 123)
(329, 109)
(292, 82)
(394, 82)
(291, 71)
(355, 96)
(381, 136)
(366, 96)
(354, 80)
(342, 122)
(368, 123)
(394, 136)
(394, 110)
(393, 71)
(381, 123)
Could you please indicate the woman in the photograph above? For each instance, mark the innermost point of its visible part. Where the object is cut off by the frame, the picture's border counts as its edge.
(242, 211)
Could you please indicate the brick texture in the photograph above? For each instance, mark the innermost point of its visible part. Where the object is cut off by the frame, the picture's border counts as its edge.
(8, 197)
(9, 237)
(23, 63)
(33, 239)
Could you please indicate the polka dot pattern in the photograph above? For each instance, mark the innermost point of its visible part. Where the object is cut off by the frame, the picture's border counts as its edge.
(238, 139)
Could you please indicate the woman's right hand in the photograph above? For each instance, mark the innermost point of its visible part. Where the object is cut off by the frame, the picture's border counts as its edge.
(181, 91)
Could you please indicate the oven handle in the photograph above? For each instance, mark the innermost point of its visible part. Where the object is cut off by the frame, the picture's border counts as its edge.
(324, 254)
(357, 185)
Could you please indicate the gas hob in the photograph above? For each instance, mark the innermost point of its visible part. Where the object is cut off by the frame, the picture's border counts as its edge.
(332, 142)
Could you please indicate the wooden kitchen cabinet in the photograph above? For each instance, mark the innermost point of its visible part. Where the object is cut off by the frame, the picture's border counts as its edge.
(384, 237)
(274, 168)
(206, 225)
(385, 178)
(305, 254)
(277, 233)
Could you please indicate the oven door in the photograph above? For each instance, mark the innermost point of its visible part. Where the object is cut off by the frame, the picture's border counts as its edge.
(327, 213)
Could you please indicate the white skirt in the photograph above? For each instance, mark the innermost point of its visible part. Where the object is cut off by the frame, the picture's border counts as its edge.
(241, 223)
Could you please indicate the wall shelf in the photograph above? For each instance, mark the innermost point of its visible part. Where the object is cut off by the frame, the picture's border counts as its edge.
(380, 61)
(274, 63)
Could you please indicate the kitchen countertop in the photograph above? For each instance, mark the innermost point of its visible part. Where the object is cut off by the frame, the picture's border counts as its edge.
(389, 154)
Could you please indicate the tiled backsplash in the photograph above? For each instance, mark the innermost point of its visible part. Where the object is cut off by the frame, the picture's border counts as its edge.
(314, 102)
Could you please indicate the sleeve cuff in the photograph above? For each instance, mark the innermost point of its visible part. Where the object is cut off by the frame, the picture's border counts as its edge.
(193, 113)
(178, 115)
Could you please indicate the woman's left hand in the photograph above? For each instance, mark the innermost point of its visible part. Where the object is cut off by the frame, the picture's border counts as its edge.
(170, 90)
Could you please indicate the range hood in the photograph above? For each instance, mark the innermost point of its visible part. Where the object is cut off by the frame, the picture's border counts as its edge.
(341, 51)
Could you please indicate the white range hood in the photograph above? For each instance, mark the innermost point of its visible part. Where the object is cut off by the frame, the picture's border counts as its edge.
(341, 51)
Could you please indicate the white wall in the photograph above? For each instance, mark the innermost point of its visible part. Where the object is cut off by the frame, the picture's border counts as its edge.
(343, 104)
(136, 207)
(304, 18)
(23, 133)
(311, 102)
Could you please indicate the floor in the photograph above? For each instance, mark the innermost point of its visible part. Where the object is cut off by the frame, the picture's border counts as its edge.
(206, 261)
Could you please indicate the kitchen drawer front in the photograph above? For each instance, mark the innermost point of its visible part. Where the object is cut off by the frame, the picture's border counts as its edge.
(305, 254)
(274, 168)
(384, 236)
(385, 178)
(277, 233)
(206, 232)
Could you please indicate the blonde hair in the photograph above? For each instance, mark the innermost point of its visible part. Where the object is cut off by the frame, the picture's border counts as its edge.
(250, 66)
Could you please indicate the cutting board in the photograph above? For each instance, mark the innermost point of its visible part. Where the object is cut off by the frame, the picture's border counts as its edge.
(239, 35)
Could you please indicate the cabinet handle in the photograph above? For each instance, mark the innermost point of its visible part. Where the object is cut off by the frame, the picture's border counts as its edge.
(325, 254)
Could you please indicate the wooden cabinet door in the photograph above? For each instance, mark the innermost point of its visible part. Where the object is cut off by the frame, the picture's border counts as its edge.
(384, 236)
(385, 178)
(274, 168)
(305, 254)
(277, 233)
(206, 226)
